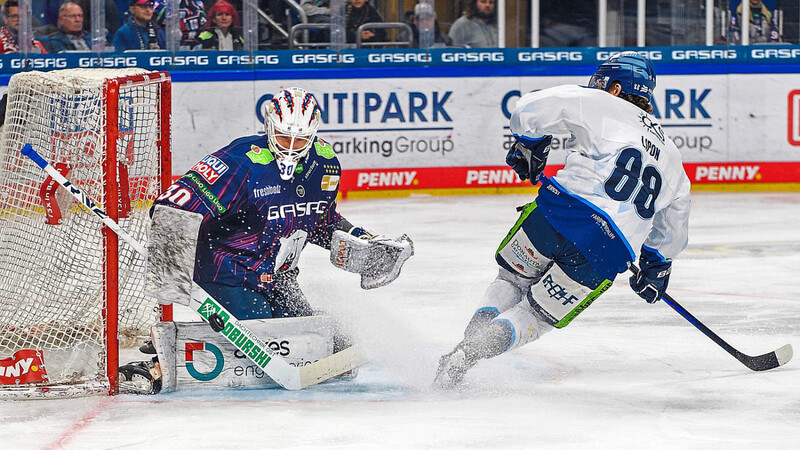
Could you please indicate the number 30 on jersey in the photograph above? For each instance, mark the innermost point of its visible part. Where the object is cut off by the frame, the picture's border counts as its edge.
(175, 195)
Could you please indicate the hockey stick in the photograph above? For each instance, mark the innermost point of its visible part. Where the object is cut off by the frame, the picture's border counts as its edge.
(277, 368)
(219, 318)
(766, 361)
(82, 198)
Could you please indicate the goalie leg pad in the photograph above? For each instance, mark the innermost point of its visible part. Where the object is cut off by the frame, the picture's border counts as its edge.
(171, 254)
(163, 337)
(192, 355)
(378, 259)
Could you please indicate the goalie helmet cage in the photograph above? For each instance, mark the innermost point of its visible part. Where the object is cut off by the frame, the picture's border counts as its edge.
(69, 291)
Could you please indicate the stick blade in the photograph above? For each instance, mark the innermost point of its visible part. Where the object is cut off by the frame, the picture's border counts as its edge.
(769, 360)
(784, 354)
(333, 365)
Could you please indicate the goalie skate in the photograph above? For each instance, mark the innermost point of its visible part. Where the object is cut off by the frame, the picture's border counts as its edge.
(140, 377)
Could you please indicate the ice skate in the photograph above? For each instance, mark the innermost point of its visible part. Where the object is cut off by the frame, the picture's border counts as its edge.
(452, 368)
(140, 377)
(148, 348)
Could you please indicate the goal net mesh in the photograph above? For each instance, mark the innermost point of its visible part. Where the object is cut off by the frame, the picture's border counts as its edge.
(52, 250)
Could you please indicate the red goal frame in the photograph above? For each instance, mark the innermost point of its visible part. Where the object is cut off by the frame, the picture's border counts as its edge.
(111, 94)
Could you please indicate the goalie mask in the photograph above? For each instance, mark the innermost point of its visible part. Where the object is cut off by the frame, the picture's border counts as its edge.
(292, 121)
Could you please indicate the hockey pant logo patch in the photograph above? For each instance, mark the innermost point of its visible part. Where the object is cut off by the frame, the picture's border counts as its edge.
(557, 291)
(520, 254)
(558, 299)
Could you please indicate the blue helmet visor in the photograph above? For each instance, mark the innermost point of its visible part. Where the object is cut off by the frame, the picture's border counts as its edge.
(598, 81)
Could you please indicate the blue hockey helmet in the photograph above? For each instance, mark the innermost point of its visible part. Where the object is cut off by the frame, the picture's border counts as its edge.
(633, 71)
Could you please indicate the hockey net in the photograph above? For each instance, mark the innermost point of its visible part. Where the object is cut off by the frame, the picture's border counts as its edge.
(69, 290)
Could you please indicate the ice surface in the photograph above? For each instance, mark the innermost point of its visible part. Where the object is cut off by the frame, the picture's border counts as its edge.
(625, 374)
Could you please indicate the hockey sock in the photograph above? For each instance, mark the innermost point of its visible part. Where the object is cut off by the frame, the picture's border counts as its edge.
(487, 341)
(479, 320)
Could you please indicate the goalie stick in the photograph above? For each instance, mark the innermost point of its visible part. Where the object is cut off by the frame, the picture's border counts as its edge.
(766, 361)
(82, 198)
(277, 368)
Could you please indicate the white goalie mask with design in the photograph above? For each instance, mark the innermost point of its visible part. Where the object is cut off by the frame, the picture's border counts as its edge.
(292, 121)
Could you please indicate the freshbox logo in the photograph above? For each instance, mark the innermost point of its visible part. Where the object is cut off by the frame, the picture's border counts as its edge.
(794, 118)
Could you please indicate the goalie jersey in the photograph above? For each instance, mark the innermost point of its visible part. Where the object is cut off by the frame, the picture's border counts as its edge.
(623, 186)
(247, 208)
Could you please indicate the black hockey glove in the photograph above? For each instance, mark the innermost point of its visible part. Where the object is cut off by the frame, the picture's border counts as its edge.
(528, 158)
(653, 277)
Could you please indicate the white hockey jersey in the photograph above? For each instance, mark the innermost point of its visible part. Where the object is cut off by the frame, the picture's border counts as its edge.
(623, 185)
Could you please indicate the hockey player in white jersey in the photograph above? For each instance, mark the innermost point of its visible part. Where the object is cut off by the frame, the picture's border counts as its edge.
(622, 195)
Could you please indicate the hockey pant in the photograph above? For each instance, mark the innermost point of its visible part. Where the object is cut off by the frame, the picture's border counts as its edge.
(544, 283)
(285, 300)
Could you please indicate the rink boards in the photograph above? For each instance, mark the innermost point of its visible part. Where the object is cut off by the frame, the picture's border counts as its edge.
(405, 121)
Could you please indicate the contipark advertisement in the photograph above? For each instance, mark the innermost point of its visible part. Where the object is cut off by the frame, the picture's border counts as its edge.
(449, 133)
(413, 120)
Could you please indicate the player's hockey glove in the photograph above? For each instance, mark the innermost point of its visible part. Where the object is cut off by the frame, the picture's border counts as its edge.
(653, 277)
(528, 157)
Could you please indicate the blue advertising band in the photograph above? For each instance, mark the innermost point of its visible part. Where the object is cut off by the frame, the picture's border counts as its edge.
(411, 63)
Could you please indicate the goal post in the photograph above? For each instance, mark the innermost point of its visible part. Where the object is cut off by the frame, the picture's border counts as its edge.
(69, 290)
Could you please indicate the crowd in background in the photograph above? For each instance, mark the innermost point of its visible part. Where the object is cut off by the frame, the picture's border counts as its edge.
(65, 25)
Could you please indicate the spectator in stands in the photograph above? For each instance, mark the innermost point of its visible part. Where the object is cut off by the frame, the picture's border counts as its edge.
(191, 17)
(477, 27)
(237, 5)
(568, 23)
(9, 34)
(423, 18)
(281, 13)
(222, 31)
(140, 32)
(45, 12)
(122, 8)
(763, 28)
(112, 18)
(357, 13)
(317, 11)
(70, 34)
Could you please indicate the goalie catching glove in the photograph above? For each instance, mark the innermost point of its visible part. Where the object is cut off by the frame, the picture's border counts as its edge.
(377, 258)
